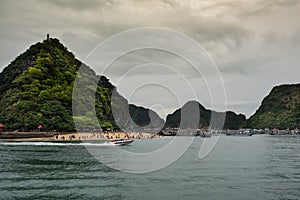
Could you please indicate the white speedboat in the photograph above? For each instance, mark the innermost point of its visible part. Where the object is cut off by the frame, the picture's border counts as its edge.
(121, 142)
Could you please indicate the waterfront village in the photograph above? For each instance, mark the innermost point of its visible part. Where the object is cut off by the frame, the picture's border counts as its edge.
(99, 134)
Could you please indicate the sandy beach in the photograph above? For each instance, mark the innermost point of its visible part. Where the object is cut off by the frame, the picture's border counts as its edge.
(76, 137)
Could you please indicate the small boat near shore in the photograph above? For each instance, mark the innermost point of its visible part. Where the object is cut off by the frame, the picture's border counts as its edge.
(244, 132)
(202, 133)
(120, 142)
(205, 134)
(239, 134)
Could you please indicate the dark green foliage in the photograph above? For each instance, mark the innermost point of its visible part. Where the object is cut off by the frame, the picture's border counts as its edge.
(201, 117)
(280, 109)
(37, 87)
(145, 117)
(135, 111)
(233, 121)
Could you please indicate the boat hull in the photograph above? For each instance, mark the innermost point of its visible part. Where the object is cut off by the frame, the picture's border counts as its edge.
(121, 142)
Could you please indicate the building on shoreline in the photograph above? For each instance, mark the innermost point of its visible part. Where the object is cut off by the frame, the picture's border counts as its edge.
(2, 127)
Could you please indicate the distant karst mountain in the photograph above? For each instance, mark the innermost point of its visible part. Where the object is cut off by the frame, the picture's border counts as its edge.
(280, 109)
(36, 88)
(194, 115)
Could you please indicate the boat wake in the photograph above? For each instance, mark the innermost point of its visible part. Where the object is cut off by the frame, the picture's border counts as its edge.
(55, 144)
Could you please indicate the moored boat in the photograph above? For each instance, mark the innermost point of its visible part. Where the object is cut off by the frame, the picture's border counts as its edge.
(243, 132)
(205, 134)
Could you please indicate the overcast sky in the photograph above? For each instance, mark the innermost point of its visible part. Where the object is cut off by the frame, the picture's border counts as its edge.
(255, 44)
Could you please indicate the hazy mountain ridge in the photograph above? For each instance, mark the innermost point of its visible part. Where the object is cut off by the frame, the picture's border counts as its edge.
(203, 116)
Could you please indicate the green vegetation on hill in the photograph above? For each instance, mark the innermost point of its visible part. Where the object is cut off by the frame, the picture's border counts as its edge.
(280, 109)
(203, 116)
(36, 88)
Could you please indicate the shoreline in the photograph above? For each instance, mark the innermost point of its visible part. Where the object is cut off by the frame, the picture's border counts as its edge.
(72, 137)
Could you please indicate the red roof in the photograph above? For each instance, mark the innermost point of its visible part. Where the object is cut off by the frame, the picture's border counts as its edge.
(1, 125)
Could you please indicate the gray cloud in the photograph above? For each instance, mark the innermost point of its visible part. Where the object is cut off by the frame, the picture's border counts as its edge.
(254, 43)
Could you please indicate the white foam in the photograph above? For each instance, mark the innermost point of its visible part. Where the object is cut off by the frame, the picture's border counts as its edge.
(54, 144)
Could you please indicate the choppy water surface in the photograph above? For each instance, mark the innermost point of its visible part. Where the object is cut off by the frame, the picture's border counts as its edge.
(257, 167)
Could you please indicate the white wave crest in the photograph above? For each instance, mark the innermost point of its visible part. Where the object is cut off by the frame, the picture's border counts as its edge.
(55, 144)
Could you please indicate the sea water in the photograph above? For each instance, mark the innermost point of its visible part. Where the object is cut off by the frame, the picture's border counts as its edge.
(257, 167)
